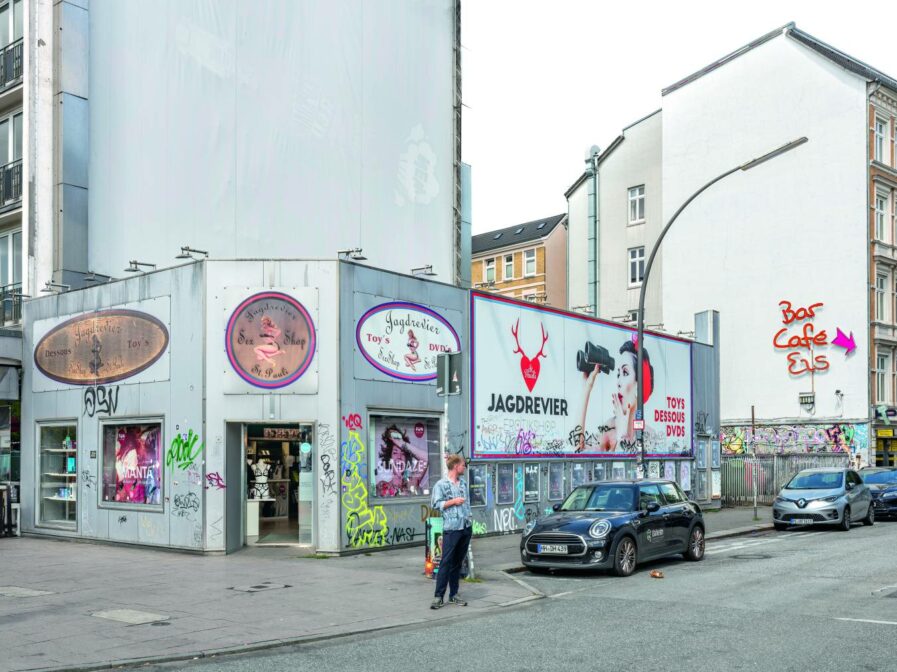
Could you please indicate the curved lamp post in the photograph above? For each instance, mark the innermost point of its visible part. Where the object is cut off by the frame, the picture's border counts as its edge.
(641, 296)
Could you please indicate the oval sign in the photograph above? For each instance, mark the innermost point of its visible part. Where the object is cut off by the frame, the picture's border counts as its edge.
(270, 340)
(402, 339)
(102, 347)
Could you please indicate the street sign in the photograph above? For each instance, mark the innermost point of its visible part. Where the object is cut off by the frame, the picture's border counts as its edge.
(638, 416)
(448, 374)
(638, 424)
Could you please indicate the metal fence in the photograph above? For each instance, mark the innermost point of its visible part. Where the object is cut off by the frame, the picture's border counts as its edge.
(12, 58)
(772, 472)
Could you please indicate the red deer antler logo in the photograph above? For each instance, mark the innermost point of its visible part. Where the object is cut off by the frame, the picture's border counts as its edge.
(529, 367)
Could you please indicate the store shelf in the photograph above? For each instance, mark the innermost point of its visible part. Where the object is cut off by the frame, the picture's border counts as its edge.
(54, 498)
(50, 473)
(59, 450)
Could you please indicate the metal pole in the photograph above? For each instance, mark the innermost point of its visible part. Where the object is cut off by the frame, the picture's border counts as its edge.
(641, 296)
(445, 411)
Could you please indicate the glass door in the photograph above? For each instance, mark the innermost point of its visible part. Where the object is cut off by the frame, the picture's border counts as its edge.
(58, 447)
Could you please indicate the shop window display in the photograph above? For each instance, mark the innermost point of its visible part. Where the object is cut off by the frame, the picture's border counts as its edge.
(58, 475)
(405, 450)
(132, 460)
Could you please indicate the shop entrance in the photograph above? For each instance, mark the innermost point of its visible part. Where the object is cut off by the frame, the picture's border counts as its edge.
(279, 489)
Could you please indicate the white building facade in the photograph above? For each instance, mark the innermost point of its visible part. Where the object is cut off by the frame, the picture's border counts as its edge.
(783, 250)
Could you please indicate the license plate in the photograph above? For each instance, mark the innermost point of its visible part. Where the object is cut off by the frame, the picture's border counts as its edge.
(801, 521)
(551, 548)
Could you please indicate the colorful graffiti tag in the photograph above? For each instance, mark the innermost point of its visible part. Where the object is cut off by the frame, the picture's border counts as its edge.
(777, 439)
(365, 525)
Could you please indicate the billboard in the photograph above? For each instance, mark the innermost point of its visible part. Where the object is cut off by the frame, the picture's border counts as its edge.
(546, 383)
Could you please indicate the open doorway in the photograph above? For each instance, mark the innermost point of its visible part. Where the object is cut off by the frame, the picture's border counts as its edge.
(279, 483)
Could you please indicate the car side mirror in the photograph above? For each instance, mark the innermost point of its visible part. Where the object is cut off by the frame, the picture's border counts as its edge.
(556, 507)
(850, 486)
(653, 507)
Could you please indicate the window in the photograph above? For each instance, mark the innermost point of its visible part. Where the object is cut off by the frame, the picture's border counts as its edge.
(671, 493)
(509, 267)
(633, 316)
(881, 207)
(132, 465)
(489, 273)
(637, 204)
(11, 137)
(529, 263)
(58, 443)
(881, 283)
(881, 389)
(880, 133)
(648, 494)
(10, 258)
(406, 449)
(555, 481)
(11, 22)
(529, 297)
(636, 266)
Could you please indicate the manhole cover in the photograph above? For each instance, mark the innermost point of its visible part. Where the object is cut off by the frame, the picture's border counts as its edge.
(752, 556)
(130, 616)
(259, 587)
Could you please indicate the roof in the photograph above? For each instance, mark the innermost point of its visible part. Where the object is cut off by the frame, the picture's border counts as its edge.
(790, 29)
(515, 235)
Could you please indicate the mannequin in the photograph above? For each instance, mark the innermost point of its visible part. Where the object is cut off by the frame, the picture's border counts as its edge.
(261, 470)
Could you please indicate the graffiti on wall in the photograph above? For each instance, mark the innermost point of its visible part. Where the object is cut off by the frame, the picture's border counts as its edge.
(766, 440)
(100, 399)
(365, 525)
(799, 337)
(184, 451)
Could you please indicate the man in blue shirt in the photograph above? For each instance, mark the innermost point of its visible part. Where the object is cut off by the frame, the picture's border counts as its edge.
(450, 497)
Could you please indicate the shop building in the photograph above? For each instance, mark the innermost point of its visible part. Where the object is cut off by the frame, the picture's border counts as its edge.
(223, 403)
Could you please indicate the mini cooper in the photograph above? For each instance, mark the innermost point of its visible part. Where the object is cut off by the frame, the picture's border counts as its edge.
(615, 525)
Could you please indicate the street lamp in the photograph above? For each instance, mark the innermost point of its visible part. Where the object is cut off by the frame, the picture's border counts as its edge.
(641, 296)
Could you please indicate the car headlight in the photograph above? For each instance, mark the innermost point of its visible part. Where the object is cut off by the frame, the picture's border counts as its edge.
(530, 526)
(599, 530)
(780, 500)
(889, 495)
(833, 498)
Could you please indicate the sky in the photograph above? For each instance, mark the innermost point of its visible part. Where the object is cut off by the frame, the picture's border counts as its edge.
(543, 81)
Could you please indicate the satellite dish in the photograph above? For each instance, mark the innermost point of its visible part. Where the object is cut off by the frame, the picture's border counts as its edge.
(592, 151)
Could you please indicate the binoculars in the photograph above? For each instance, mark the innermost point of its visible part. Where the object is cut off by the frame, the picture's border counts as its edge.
(594, 355)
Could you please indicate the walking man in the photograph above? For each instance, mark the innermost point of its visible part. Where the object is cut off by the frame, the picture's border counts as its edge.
(450, 497)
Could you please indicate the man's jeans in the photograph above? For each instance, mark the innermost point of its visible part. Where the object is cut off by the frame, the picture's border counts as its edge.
(454, 550)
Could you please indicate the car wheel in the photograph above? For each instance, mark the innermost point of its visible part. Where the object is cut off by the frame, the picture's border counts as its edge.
(845, 520)
(625, 557)
(780, 526)
(695, 550)
(870, 516)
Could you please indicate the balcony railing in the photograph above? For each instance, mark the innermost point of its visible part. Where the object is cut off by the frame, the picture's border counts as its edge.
(11, 304)
(11, 183)
(11, 63)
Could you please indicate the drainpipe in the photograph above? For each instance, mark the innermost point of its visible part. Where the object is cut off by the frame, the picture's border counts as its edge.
(594, 280)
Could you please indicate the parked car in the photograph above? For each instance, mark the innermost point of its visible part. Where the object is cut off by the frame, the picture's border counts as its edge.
(833, 496)
(882, 483)
(615, 525)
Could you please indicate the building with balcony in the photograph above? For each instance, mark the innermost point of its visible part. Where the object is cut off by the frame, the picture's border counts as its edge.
(526, 261)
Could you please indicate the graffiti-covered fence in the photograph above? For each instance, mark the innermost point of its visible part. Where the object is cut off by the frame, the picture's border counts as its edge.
(772, 472)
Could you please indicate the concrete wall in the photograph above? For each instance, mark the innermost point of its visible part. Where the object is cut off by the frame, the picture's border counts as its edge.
(375, 521)
(556, 267)
(792, 229)
(577, 241)
(292, 130)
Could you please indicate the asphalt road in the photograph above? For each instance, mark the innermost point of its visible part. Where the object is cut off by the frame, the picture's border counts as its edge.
(797, 600)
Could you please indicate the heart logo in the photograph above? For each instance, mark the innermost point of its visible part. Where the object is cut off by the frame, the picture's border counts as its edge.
(530, 369)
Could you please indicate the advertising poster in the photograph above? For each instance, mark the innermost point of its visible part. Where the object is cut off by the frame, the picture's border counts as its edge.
(555, 481)
(553, 384)
(531, 483)
(598, 472)
(669, 471)
(505, 483)
(716, 455)
(402, 460)
(132, 459)
(701, 455)
(685, 475)
(577, 474)
(434, 543)
(715, 485)
(653, 469)
(476, 484)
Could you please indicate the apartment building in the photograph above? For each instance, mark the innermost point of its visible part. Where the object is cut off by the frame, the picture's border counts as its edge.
(526, 261)
(798, 253)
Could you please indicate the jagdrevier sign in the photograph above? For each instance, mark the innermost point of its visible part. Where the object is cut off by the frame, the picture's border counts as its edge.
(550, 383)
(102, 347)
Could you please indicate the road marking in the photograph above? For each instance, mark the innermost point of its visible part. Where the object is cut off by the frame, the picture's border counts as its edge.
(756, 542)
(867, 620)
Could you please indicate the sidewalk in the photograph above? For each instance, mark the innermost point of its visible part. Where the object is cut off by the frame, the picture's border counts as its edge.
(80, 605)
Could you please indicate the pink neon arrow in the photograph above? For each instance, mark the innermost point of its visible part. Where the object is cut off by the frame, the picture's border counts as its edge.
(842, 340)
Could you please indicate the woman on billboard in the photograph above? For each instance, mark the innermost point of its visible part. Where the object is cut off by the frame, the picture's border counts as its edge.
(618, 433)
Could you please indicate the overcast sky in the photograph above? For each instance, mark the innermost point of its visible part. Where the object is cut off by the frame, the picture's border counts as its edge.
(542, 81)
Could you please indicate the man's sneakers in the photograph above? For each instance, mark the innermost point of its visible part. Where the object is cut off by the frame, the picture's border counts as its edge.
(437, 603)
(457, 601)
